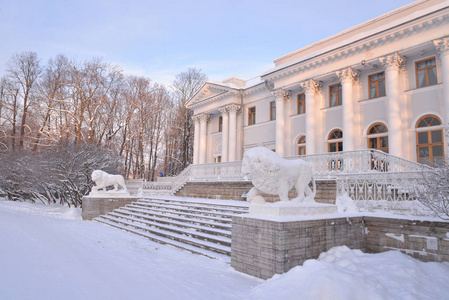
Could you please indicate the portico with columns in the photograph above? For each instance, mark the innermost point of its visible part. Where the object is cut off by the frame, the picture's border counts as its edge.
(382, 86)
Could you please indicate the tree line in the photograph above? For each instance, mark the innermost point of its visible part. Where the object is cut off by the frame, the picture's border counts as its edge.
(78, 105)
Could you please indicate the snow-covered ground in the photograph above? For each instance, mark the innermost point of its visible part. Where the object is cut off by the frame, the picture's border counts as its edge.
(48, 252)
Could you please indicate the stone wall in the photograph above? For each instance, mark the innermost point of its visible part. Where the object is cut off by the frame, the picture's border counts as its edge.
(326, 191)
(423, 240)
(93, 207)
(263, 248)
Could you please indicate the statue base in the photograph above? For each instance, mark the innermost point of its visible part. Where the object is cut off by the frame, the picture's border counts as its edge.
(280, 209)
(109, 194)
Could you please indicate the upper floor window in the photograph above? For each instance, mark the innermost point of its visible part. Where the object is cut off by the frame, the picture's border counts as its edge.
(302, 146)
(335, 141)
(378, 137)
(335, 95)
(301, 103)
(426, 72)
(220, 123)
(252, 115)
(429, 141)
(273, 110)
(376, 85)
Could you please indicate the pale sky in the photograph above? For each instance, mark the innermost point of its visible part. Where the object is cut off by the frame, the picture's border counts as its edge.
(160, 39)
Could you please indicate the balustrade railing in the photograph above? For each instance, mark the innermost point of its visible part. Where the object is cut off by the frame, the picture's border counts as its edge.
(384, 191)
(346, 166)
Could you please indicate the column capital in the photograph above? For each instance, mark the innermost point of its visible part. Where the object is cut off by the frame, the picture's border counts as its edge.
(223, 110)
(203, 118)
(393, 62)
(442, 46)
(233, 108)
(311, 86)
(347, 75)
(281, 95)
(196, 118)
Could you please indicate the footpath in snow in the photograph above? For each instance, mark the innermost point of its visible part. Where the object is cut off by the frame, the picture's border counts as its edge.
(48, 252)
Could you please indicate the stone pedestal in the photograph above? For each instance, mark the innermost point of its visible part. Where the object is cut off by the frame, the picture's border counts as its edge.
(263, 247)
(94, 206)
(279, 209)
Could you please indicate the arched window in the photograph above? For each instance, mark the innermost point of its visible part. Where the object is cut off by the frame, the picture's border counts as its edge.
(335, 141)
(378, 137)
(429, 141)
(302, 146)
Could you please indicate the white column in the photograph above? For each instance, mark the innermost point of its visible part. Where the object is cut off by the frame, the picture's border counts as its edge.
(347, 77)
(392, 64)
(281, 97)
(233, 110)
(224, 134)
(196, 140)
(310, 88)
(203, 138)
(442, 46)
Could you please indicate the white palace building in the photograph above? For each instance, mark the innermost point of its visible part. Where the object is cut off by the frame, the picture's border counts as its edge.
(383, 84)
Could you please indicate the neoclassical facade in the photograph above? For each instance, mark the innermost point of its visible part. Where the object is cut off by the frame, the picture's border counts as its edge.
(383, 84)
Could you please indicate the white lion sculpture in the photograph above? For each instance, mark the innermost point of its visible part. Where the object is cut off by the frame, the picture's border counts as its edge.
(103, 180)
(274, 175)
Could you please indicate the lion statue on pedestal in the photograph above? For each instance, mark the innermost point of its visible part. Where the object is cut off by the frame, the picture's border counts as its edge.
(103, 180)
(274, 175)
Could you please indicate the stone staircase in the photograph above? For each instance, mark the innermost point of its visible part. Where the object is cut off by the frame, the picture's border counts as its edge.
(201, 226)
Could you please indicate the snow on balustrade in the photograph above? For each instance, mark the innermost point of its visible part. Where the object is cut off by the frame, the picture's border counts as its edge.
(375, 180)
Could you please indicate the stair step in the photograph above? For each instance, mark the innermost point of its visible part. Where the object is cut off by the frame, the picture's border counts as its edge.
(176, 208)
(167, 212)
(177, 218)
(166, 241)
(219, 248)
(147, 220)
(242, 208)
(173, 229)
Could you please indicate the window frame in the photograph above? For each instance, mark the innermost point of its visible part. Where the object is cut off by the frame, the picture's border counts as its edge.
(336, 141)
(338, 101)
(301, 103)
(427, 73)
(378, 137)
(272, 110)
(251, 116)
(377, 85)
(429, 129)
(302, 145)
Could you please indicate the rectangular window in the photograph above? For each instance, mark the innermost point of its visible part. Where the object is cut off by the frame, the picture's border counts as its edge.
(377, 85)
(426, 72)
(252, 115)
(335, 95)
(273, 110)
(220, 123)
(301, 103)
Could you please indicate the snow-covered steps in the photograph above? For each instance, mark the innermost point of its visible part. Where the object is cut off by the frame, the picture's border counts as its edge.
(201, 226)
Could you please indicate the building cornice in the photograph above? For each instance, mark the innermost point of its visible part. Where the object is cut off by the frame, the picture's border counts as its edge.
(363, 44)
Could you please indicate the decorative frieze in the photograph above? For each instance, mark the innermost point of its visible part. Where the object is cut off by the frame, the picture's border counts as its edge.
(311, 86)
(393, 61)
(347, 75)
(442, 46)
